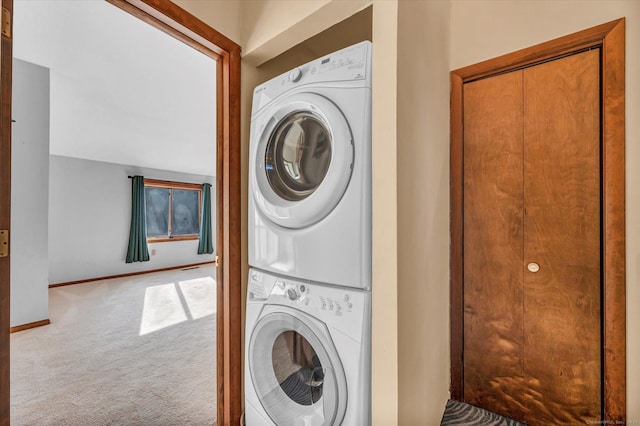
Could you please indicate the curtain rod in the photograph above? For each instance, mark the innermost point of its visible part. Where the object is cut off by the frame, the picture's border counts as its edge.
(171, 181)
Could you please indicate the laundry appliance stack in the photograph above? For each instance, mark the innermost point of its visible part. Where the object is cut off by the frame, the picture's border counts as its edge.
(308, 316)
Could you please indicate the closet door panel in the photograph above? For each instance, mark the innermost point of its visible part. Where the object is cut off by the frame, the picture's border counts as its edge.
(562, 235)
(493, 243)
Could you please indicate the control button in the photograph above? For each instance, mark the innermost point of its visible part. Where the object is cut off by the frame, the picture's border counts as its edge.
(330, 305)
(346, 297)
(303, 288)
(293, 294)
(349, 305)
(295, 75)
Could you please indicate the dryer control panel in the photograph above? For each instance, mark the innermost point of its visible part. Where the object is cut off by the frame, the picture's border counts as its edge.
(349, 64)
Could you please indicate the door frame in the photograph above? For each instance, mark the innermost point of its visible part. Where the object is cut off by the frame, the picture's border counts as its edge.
(6, 58)
(610, 37)
(175, 21)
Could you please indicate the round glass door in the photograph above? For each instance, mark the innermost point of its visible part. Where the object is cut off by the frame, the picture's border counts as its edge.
(297, 368)
(296, 371)
(298, 155)
(301, 159)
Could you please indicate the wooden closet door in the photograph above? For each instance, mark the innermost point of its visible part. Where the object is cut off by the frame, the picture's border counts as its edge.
(532, 196)
(562, 234)
(493, 244)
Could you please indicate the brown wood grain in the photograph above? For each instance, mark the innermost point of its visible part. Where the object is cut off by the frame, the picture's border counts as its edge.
(493, 244)
(611, 37)
(613, 165)
(163, 239)
(234, 315)
(230, 377)
(6, 48)
(562, 234)
(171, 184)
(456, 310)
(222, 240)
(30, 325)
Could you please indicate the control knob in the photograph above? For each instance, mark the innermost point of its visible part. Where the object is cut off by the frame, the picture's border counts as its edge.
(293, 294)
(295, 75)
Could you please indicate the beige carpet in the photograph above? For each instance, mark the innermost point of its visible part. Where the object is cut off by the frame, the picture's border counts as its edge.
(134, 351)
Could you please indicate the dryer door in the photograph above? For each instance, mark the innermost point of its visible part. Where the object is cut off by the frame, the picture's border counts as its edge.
(296, 370)
(302, 162)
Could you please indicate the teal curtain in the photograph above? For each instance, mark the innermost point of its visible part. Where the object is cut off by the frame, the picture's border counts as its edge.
(138, 251)
(206, 241)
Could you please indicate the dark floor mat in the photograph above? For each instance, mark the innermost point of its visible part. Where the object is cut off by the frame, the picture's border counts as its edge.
(461, 414)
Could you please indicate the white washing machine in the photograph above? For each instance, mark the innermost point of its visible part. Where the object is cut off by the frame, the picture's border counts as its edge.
(307, 353)
(310, 171)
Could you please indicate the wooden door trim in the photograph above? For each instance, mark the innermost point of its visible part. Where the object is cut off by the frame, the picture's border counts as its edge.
(584, 39)
(610, 37)
(178, 23)
(6, 58)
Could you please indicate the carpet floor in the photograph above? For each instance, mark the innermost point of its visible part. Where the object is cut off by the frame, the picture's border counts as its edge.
(461, 414)
(128, 351)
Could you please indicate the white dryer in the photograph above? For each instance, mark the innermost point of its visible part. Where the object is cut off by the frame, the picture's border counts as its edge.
(310, 171)
(307, 353)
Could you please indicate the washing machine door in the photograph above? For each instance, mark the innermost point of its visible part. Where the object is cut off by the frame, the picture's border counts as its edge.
(296, 370)
(303, 160)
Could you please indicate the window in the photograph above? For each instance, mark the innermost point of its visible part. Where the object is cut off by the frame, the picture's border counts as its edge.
(172, 210)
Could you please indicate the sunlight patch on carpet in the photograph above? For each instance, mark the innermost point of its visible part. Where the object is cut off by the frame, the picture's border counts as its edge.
(162, 308)
(200, 296)
(169, 304)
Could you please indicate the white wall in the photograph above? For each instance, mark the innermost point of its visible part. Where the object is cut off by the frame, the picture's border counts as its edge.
(384, 215)
(270, 27)
(29, 194)
(89, 220)
(122, 91)
(423, 211)
(484, 29)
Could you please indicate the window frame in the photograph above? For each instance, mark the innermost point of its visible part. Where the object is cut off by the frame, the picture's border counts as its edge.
(171, 185)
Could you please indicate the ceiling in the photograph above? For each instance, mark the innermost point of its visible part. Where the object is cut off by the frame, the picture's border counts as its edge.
(121, 91)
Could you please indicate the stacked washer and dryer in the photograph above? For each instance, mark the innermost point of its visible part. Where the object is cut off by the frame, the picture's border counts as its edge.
(308, 316)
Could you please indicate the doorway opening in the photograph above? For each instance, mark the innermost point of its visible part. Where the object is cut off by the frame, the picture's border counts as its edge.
(178, 23)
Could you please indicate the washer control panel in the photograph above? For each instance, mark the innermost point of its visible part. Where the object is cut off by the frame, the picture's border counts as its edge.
(322, 300)
(337, 306)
